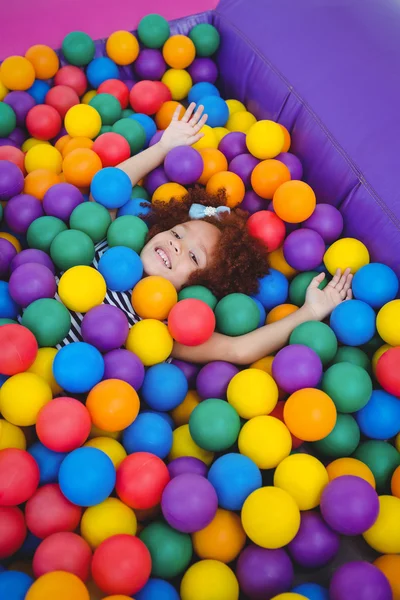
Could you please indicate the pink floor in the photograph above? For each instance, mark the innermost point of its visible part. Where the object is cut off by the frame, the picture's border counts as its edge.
(28, 22)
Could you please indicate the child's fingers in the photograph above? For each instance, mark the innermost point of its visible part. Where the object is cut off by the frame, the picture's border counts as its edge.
(349, 295)
(316, 281)
(200, 124)
(195, 138)
(196, 116)
(347, 284)
(335, 279)
(188, 113)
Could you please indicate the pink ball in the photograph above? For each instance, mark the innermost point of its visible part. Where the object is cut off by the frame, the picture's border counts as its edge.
(64, 551)
(191, 322)
(12, 530)
(73, 77)
(48, 511)
(19, 476)
(63, 425)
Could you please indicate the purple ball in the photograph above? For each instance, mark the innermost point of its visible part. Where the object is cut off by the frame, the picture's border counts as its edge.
(189, 503)
(297, 367)
(30, 282)
(253, 203)
(243, 165)
(21, 211)
(263, 573)
(315, 544)
(187, 464)
(184, 165)
(125, 365)
(8, 142)
(327, 221)
(129, 83)
(359, 580)
(190, 371)
(213, 379)
(59, 135)
(61, 199)
(233, 144)
(203, 69)
(32, 255)
(156, 137)
(105, 327)
(154, 179)
(21, 103)
(11, 180)
(304, 249)
(150, 65)
(18, 136)
(349, 505)
(7, 253)
(293, 164)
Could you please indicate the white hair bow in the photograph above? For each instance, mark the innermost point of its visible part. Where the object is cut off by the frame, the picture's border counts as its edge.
(198, 211)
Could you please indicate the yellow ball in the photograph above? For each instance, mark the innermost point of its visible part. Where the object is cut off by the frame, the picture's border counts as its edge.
(167, 191)
(209, 139)
(264, 364)
(378, 353)
(86, 98)
(111, 517)
(122, 47)
(304, 478)
(178, 81)
(184, 445)
(21, 398)
(31, 142)
(43, 156)
(252, 393)
(289, 596)
(388, 323)
(235, 106)
(181, 413)
(209, 580)
(241, 121)
(151, 341)
(384, 535)
(220, 132)
(12, 239)
(265, 139)
(3, 91)
(270, 517)
(96, 432)
(266, 440)
(347, 253)
(82, 120)
(43, 366)
(81, 288)
(11, 436)
(114, 450)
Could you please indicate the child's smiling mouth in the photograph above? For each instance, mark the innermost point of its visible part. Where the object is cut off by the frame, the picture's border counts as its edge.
(163, 257)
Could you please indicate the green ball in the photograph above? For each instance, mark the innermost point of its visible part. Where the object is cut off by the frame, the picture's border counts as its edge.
(128, 231)
(1, 212)
(138, 191)
(72, 248)
(153, 31)
(91, 218)
(317, 336)
(133, 132)
(48, 320)
(352, 355)
(372, 346)
(200, 293)
(126, 113)
(382, 458)
(108, 108)
(206, 39)
(342, 440)
(78, 48)
(8, 322)
(214, 425)
(349, 386)
(299, 285)
(104, 129)
(8, 120)
(171, 551)
(42, 232)
(237, 314)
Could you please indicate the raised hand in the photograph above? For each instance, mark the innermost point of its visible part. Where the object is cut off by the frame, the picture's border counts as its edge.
(322, 302)
(185, 131)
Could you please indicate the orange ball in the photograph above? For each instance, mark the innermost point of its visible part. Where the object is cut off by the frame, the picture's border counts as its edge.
(44, 60)
(12, 239)
(278, 261)
(395, 483)
(80, 166)
(389, 565)
(113, 404)
(214, 161)
(169, 190)
(182, 412)
(264, 364)
(350, 466)
(280, 312)
(62, 141)
(310, 414)
(231, 183)
(222, 539)
(58, 585)
(38, 182)
(179, 51)
(288, 139)
(74, 143)
(17, 73)
(267, 176)
(164, 115)
(294, 201)
(153, 297)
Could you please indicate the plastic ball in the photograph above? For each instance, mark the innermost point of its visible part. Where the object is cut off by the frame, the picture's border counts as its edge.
(241, 121)
(13, 528)
(263, 573)
(39, 90)
(63, 425)
(21, 398)
(112, 149)
(353, 322)
(8, 308)
(122, 47)
(82, 121)
(20, 103)
(346, 253)
(315, 544)
(164, 114)
(17, 73)
(384, 535)
(198, 292)
(267, 176)
(304, 249)
(113, 405)
(150, 64)
(124, 365)
(294, 201)
(109, 446)
(268, 228)
(231, 183)
(387, 371)
(342, 440)
(164, 387)
(350, 466)
(154, 297)
(81, 288)
(63, 551)
(222, 539)
(310, 414)
(108, 107)
(91, 218)
(387, 323)
(252, 393)
(147, 97)
(303, 477)
(266, 440)
(201, 90)
(327, 221)
(381, 458)
(117, 89)
(214, 425)
(273, 289)
(48, 320)
(280, 312)
(189, 503)
(360, 579)
(78, 48)
(48, 461)
(80, 166)
(191, 322)
(151, 341)
(179, 51)
(264, 139)
(209, 577)
(216, 109)
(297, 367)
(171, 550)
(43, 122)
(110, 517)
(29, 282)
(49, 511)
(148, 433)
(38, 182)
(61, 200)
(388, 564)
(19, 475)
(243, 165)
(11, 436)
(127, 231)
(100, 69)
(209, 139)
(153, 30)
(317, 336)
(60, 585)
(293, 164)
(183, 165)
(178, 82)
(18, 349)
(14, 155)
(203, 69)
(167, 191)
(12, 180)
(213, 162)
(205, 38)
(379, 419)
(111, 187)
(78, 367)
(148, 125)
(44, 61)
(186, 464)
(311, 591)
(141, 480)
(14, 585)
(236, 314)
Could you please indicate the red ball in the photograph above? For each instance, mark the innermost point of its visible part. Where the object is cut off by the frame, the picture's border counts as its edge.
(191, 322)
(43, 122)
(63, 425)
(48, 511)
(64, 551)
(116, 88)
(14, 155)
(121, 565)
(148, 96)
(267, 227)
(18, 349)
(12, 530)
(278, 414)
(72, 77)
(19, 476)
(112, 149)
(141, 479)
(62, 98)
(388, 371)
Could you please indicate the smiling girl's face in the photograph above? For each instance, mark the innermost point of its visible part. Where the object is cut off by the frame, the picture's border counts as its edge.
(178, 253)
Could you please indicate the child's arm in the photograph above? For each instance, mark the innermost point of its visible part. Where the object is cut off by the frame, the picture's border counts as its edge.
(245, 349)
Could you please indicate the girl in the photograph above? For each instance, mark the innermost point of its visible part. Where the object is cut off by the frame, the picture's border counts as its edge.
(199, 240)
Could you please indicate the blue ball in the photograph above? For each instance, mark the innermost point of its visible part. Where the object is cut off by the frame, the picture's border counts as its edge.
(273, 289)
(376, 284)
(8, 308)
(111, 187)
(121, 268)
(353, 322)
(87, 476)
(262, 311)
(157, 589)
(147, 123)
(78, 367)
(380, 417)
(217, 110)
(29, 547)
(234, 477)
(167, 418)
(3, 378)
(133, 207)
(48, 461)
(100, 69)
(312, 591)
(148, 433)
(14, 585)
(39, 90)
(164, 387)
(202, 89)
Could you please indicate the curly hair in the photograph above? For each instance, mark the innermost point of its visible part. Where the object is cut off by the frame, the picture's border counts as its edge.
(242, 259)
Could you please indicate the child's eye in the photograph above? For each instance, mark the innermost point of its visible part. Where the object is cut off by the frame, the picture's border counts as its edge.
(176, 234)
(194, 259)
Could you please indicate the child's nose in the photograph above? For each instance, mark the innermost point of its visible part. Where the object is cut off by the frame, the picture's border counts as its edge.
(175, 246)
